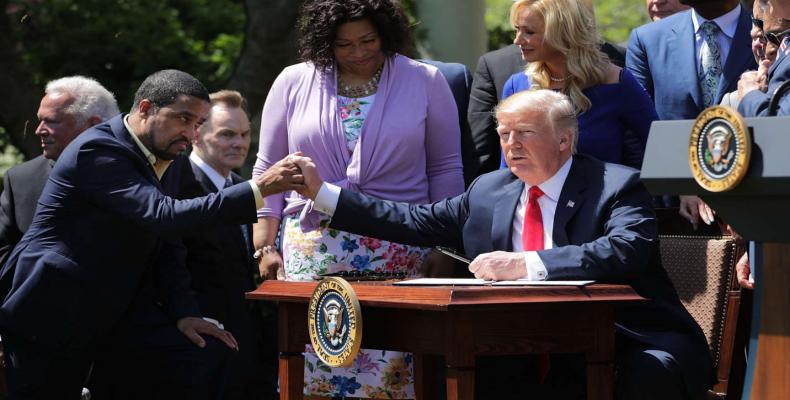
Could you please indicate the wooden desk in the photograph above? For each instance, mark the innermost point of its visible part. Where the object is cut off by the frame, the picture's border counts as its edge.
(461, 323)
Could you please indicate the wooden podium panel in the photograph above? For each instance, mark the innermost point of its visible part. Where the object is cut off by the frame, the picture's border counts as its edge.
(460, 323)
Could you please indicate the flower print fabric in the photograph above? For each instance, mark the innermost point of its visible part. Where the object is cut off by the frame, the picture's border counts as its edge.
(352, 114)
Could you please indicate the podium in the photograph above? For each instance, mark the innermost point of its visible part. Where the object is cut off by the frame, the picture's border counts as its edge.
(759, 210)
(459, 323)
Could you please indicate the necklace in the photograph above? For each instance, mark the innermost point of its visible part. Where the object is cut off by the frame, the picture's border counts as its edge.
(363, 90)
(563, 79)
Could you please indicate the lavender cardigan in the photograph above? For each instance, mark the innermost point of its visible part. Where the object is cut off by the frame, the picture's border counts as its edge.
(409, 149)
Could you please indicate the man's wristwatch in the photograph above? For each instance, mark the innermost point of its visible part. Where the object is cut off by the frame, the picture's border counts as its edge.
(263, 250)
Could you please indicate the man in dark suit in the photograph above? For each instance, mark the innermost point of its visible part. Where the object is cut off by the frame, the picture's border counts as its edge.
(220, 259)
(70, 105)
(756, 88)
(553, 215)
(96, 271)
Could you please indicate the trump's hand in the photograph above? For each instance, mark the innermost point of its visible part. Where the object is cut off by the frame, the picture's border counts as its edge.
(312, 180)
(284, 175)
(499, 266)
(193, 328)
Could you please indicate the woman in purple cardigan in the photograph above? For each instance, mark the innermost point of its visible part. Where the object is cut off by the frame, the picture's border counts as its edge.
(374, 121)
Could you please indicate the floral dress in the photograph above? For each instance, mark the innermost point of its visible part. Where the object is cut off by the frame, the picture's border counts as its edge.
(374, 373)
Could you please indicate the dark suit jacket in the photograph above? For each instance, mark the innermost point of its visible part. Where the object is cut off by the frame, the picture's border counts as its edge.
(604, 230)
(493, 70)
(755, 103)
(460, 80)
(103, 230)
(662, 57)
(22, 186)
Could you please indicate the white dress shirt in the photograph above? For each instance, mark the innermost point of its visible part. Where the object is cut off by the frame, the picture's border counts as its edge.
(728, 24)
(329, 194)
(212, 174)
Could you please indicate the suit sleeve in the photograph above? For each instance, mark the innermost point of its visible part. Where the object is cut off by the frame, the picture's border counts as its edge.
(624, 249)
(482, 101)
(173, 281)
(436, 224)
(9, 232)
(755, 103)
(636, 62)
(107, 176)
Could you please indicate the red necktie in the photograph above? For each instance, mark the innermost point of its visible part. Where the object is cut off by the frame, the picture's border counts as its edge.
(532, 233)
(532, 240)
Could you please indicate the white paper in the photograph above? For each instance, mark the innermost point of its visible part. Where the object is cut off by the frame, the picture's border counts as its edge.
(481, 282)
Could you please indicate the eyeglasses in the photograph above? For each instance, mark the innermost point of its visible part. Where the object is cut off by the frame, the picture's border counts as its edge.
(776, 38)
(758, 23)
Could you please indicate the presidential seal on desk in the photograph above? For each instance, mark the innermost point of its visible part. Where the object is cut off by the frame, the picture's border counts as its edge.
(334, 322)
(719, 149)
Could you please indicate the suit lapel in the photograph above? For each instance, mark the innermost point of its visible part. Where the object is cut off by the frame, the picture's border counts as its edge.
(740, 55)
(682, 41)
(125, 138)
(571, 200)
(780, 59)
(205, 182)
(504, 211)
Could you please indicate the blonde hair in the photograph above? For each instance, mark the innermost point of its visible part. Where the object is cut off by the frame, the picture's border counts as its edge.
(569, 27)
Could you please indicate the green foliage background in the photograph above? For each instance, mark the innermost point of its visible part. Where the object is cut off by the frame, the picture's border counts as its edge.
(121, 41)
(615, 18)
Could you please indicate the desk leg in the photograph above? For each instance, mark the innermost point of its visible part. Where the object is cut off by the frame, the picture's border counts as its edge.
(291, 328)
(460, 383)
(425, 375)
(600, 361)
(291, 376)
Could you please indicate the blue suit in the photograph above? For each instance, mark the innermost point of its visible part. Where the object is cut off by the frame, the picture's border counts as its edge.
(755, 103)
(604, 230)
(662, 57)
(459, 78)
(104, 241)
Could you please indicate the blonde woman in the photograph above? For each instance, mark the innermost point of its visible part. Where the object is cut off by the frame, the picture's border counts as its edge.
(559, 41)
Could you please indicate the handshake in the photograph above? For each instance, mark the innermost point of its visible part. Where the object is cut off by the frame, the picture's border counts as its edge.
(294, 172)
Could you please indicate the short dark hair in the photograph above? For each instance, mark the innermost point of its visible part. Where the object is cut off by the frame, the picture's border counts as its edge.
(163, 87)
(319, 20)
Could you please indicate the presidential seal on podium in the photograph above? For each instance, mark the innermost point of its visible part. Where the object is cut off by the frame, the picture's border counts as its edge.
(334, 322)
(719, 149)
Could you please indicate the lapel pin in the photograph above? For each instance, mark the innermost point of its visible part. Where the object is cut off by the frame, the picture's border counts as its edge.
(571, 203)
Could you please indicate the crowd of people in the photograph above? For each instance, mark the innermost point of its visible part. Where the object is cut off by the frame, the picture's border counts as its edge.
(128, 245)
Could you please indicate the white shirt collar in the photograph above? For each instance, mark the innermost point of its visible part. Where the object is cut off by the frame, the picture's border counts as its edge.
(216, 178)
(728, 23)
(552, 187)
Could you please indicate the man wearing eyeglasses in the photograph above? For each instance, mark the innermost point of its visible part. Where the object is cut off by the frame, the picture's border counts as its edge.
(756, 87)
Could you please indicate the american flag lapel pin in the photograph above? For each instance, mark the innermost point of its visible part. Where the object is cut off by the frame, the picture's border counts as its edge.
(571, 203)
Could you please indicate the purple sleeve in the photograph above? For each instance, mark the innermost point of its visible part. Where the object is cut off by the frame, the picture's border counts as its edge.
(442, 142)
(273, 140)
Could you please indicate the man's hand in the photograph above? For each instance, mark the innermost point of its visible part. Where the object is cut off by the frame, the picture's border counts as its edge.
(754, 80)
(742, 271)
(284, 175)
(193, 327)
(692, 208)
(271, 266)
(499, 266)
(312, 180)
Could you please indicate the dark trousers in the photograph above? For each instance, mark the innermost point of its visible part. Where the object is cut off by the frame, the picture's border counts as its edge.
(36, 373)
(159, 362)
